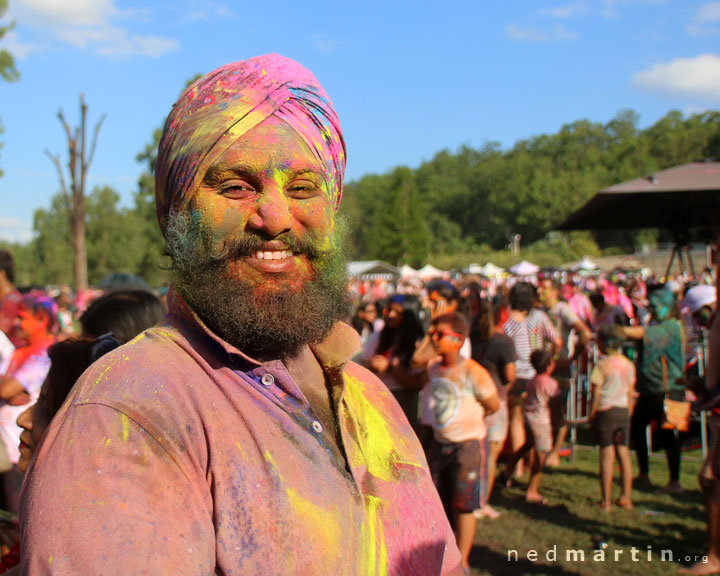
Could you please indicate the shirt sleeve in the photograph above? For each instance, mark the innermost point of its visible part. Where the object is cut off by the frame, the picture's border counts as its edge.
(596, 377)
(32, 374)
(105, 496)
(483, 384)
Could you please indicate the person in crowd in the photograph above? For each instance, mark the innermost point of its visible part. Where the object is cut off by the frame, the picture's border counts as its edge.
(574, 335)
(530, 330)
(442, 298)
(238, 427)
(605, 314)
(709, 476)
(661, 368)
(366, 320)
(10, 299)
(495, 352)
(124, 313)
(391, 358)
(611, 405)
(462, 393)
(66, 320)
(37, 325)
(541, 390)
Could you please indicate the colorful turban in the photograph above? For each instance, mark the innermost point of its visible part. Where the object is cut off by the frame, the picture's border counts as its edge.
(222, 106)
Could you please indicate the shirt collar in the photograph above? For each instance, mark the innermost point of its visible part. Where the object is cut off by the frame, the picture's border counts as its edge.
(333, 353)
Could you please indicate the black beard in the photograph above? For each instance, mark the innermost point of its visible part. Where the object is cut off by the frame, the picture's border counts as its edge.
(264, 324)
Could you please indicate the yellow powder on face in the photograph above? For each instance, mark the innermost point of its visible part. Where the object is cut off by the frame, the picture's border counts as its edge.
(382, 450)
(374, 562)
(324, 525)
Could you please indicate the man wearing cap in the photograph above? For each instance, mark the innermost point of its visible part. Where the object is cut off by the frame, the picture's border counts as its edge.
(236, 437)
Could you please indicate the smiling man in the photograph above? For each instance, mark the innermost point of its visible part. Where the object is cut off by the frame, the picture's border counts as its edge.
(236, 437)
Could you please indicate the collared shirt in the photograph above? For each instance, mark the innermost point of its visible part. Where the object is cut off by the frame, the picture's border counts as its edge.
(177, 454)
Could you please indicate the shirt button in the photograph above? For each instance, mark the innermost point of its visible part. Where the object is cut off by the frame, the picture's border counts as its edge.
(317, 426)
(267, 379)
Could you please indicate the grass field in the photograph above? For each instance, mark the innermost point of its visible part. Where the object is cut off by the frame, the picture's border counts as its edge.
(572, 520)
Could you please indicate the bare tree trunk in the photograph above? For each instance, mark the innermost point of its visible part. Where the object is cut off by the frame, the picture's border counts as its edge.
(75, 197)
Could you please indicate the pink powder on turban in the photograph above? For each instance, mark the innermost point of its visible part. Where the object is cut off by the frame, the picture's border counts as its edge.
(222, 106)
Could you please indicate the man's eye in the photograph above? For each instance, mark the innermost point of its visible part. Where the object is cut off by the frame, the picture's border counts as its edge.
(303, 189)
(235, 190)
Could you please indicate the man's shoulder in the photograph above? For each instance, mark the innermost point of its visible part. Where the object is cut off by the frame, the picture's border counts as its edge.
(155, 358)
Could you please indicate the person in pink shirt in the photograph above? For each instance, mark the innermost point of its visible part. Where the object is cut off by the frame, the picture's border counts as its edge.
(541, 391)
(237, 436)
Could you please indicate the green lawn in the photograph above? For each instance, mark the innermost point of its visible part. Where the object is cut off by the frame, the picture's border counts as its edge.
(572, 519)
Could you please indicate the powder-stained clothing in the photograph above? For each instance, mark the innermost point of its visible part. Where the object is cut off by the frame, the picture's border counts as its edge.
(614, 377)
(456, 394)
(177, 454)
(30, 374)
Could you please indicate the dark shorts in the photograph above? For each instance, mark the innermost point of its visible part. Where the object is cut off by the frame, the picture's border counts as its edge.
(612, 427)
(519, 387)
(459, 472)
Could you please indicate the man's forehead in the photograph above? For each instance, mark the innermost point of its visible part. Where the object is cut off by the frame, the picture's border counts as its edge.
(270, 146)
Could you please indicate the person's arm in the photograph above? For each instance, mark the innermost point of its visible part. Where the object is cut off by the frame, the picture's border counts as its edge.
(108, 496)
(485, 390)
(633, 332)
(10, 387)
(509, 373)
(424, 353)
(596, 382)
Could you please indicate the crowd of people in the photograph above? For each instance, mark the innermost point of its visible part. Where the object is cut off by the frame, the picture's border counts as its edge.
(480, 367)
(484, 365)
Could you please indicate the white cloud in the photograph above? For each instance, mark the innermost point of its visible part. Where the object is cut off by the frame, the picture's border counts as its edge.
(13, 230)
(697, 78)
(92, 25)
(208, 11)
(566, 11)
(709, 12)
(539, 35)
(325, 44)
(20, 50)
(703, 23)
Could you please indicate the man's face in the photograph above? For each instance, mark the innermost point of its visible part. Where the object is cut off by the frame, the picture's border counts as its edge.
(547, 293)
(268, 193)
(256, 252)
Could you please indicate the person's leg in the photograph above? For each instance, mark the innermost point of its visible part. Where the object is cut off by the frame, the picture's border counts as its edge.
(607, 458)
(465, 535)
(671, 443)
(623, 456)
(558, 409)
(495, 449)
(517, 429)
(710, 564)
(533, 490)
(642, 416)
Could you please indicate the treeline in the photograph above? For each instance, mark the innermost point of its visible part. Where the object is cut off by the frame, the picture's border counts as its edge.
(469, 202)
(477, 200)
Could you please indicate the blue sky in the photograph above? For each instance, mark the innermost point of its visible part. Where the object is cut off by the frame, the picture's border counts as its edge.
(407, 78)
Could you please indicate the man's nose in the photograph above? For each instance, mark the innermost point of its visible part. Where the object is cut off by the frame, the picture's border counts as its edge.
(272, 214)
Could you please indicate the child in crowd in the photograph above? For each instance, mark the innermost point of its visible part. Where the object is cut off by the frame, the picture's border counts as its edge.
(541, 391)
(461, 393)
(613, 388)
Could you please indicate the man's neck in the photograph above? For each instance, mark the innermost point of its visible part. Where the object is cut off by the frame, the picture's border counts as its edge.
(450, 360)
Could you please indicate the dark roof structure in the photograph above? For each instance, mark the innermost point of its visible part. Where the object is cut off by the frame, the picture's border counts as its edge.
(677, 199)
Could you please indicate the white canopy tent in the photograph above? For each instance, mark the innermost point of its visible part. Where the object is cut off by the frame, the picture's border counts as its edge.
(524, 268)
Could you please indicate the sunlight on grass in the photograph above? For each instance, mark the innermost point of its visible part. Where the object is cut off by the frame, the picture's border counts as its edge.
(572, 520)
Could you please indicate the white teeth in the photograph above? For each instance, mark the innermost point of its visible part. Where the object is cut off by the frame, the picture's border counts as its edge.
(273, 254)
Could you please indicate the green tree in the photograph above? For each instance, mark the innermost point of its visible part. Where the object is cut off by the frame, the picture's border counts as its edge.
(115, 241)
(399, 231)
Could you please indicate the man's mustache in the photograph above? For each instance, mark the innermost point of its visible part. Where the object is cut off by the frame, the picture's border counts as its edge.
(249, 244)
